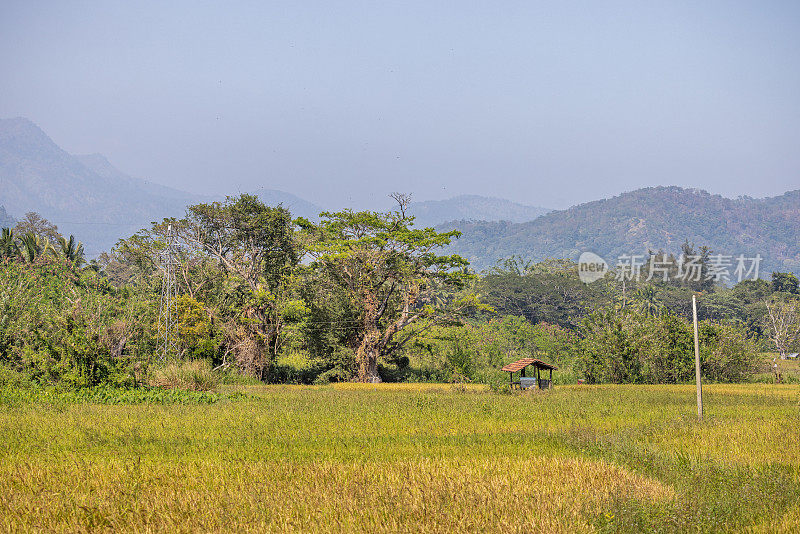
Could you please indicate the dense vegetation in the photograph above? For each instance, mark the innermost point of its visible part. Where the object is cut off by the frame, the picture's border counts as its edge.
(358, 295)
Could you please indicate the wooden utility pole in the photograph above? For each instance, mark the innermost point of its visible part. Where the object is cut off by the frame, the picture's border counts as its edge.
(697, 362)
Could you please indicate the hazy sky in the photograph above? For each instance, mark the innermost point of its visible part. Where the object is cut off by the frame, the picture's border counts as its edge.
(343, 102)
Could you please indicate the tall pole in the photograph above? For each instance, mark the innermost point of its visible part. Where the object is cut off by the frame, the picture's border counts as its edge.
(697, 362)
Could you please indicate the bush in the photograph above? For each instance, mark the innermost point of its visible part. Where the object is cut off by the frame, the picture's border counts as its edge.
(13, 379)
(295, 368)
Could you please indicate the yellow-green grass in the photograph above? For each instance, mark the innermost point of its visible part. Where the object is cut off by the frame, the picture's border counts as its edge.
(411, 458)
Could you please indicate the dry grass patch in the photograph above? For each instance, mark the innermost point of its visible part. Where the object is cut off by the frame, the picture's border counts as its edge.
(193, 375)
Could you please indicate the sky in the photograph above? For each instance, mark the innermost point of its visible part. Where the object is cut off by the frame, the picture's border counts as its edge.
(544, 103)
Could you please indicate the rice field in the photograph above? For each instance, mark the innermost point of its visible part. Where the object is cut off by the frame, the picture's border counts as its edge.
(407, 458)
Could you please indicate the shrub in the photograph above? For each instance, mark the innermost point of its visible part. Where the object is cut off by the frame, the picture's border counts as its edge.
(11, 378)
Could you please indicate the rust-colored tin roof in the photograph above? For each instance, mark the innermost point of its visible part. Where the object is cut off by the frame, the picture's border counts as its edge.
(525, 362)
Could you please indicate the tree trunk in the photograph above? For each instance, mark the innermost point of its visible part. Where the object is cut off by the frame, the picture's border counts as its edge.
(367, 357)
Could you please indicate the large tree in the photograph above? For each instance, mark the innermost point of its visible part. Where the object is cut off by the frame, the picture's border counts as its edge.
(33, 223)
(548, 291)
(783, 323)
(235, 257)
(390, 272)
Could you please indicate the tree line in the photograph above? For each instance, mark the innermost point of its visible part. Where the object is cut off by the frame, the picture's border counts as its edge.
(356, 296)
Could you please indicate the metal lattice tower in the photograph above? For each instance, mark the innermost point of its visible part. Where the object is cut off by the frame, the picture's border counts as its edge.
(167, 313)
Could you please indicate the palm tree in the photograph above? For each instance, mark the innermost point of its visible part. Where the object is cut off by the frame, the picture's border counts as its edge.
(32, 247)
(647, 301)
(72, 251)
(8, 245)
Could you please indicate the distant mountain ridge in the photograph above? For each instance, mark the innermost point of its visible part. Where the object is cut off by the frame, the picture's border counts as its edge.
(472, 208)
(102, 167)
(97, 207)
(646, 219)
(86, 195)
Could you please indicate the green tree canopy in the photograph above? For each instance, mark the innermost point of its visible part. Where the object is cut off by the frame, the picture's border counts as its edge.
(391, 274)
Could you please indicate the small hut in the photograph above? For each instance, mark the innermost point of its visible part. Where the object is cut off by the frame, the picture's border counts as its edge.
(534, 381)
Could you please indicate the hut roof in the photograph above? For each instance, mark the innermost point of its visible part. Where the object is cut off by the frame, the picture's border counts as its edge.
(525, 362)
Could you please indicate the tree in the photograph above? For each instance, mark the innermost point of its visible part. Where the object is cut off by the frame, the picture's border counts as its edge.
(548, 291)
(783, 323)
(390, 272)
(8, 245)
(646, 300)
(694, 267)
(784, 283)
(251, 240)
(34, 223)
(33, 247)
(235, 259)
(72, 251)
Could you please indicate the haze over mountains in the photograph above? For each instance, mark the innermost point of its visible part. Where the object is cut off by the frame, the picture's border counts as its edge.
(87, 196)
(472, 208)
(647, 219)
(6, 220)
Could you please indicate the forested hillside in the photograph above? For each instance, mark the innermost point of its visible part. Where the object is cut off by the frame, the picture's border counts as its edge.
(646, 219)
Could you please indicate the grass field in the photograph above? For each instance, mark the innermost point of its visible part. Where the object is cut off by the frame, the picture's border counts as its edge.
(413, 458)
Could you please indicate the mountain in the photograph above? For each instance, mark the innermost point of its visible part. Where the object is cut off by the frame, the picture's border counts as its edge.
(642, 220)
(472, 208)
(6, 220)
(103, 168)
(86, 195)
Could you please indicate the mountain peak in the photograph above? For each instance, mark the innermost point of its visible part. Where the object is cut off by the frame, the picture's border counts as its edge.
(20, 131)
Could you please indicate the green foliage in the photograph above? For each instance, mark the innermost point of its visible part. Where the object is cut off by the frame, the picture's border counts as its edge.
(549, 291)
(57, 325)
(785, 283)
(476, 350)
(198, 337)
(626, 346)
(236, 268)
(10, 378)
(374, 299)
(387, 272)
